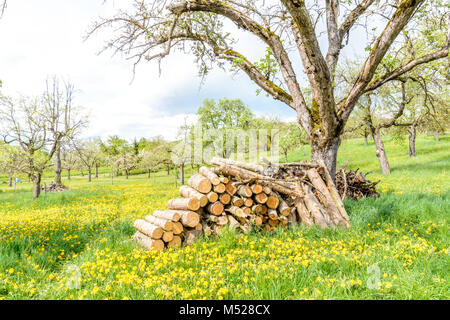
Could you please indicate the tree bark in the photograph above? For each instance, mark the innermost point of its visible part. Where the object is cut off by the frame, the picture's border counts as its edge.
(149, 171)
(81, 172)
(412, 141)
(68, 174)
(36, 185)
(181, 174)
(436, 135)
(381, 153)
(96, 170)
(89, 174)
(58, 164)
(126, 173)
(327, 153)
(168, 170)
(10, 181)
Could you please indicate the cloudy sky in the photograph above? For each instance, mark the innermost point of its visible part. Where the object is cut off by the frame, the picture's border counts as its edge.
(44, 38)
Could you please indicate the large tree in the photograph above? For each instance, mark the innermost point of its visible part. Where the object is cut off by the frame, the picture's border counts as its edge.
(153, 29)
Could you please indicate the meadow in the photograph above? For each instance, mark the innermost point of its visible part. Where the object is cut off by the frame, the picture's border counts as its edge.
(77, 244)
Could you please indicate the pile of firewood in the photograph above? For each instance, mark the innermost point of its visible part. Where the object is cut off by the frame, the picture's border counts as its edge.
(353, 184)
(54, 187)
(244, 196)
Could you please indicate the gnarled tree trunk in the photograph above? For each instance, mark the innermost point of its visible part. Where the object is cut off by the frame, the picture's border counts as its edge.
(412, 141)
(58, 164)
(381, 153)
(327, 153)
(36, 185)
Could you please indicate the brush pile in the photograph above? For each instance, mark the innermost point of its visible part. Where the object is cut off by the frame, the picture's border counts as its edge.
(353, 184)
(54, 187)
(244, 196)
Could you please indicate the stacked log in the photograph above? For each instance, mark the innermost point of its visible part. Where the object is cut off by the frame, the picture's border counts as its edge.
(246, 197)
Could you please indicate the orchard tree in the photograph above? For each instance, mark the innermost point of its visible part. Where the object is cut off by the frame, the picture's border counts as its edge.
(151, 30)
(88, 152)
(11, 161)
(182, 150)
(64, 118)
(69, 159)
(24, 123)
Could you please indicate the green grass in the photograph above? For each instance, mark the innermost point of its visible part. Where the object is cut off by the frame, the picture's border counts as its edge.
(399, 241)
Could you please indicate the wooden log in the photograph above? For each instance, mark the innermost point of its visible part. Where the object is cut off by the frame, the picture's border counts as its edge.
(284, 209)
(148, 229)
(237, 201)
(334, 193)
(188, 192)
(220, 188)
(207, 229)
(220, 220)
(213, 178)
(327, 199)
(147, 242)
(200, 183)
(315, 208)
(231, 188)
(257, 208)
(218, 229)
(292, 217)
(191, 204)
(224, 180)
(267, 228)
(199, 227)
(215, 208)
(225, 198)
(167, 236)
(212, 196)
(191, 235)
(167, 225)
(244, 191)
(273, 201)
(264, 209)
(304, 215)
(247, 210)
(246, 228)
(172, 215)
(273, 222)
(248, 166)
(233, 222)
(261, 198)
(257, 220)
(256, 188)
(175, 242)
(189, 218)
(237, 212)
(284, 221)
(267, 190)
(248, 202)
(273, 215)
(177, 228)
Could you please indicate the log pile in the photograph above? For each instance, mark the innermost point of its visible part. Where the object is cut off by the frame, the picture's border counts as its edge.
(354, 184)
(244, 196)
(54, 187)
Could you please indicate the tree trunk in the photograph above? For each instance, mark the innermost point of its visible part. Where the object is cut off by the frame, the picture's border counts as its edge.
(81, 172)
(126, 173)
(366, 143)
(149, 171)
(68, 174)
(168, 170)
(117, 172)
(181, 174)
(412, 141)
(89, 174)
(327, 153)
(58, 164)
(286, 156)
(381, 153)
(436, 135)
(36, 185)
(96, 171)
(10, 181)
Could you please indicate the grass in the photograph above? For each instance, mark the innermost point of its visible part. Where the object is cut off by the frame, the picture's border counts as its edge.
(77, 244)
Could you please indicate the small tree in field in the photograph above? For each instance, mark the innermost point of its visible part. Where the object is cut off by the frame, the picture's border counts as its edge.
(291, 137)
(11, 161)
(182, 150)
(24, 123)
(69, 159)
(88, 152)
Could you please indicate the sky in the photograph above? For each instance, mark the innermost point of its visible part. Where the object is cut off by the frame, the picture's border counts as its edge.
(40, 39)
